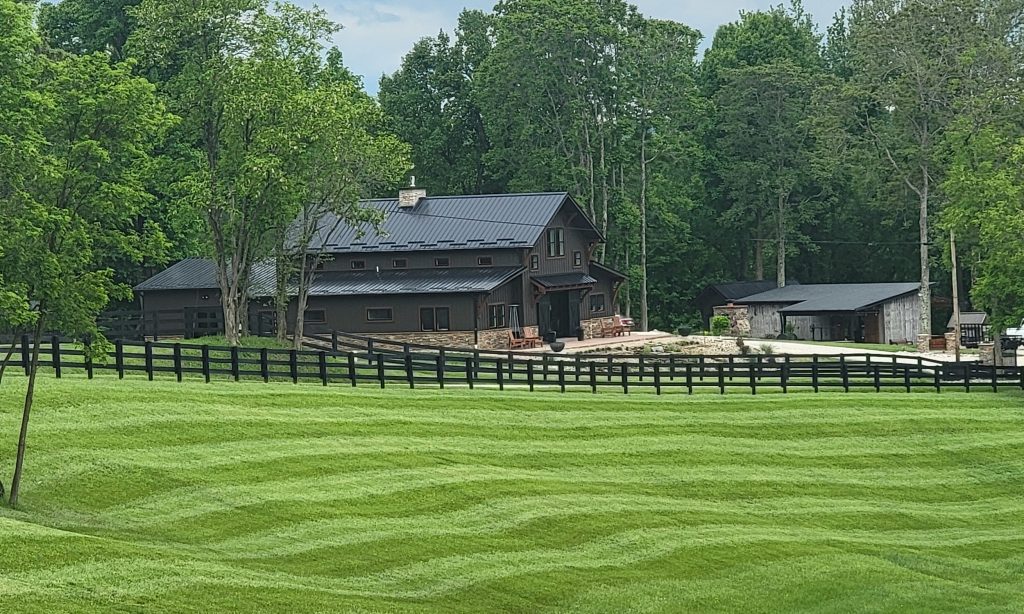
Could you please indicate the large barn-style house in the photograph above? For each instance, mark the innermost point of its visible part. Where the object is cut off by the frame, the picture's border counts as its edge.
(451, 270)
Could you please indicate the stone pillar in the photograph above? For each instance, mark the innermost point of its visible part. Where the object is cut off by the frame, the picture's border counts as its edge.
(987, 353)
(924, 343)
(952, 341)
(739, 319)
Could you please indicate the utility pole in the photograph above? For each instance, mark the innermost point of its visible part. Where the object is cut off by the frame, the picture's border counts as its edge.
(956, 295)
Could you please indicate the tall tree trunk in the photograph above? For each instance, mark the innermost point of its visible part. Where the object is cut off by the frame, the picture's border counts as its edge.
(281, 272)
(926, 290)
(643, 231)
(231, 333)
(306, 270)
(19, 463)
(780, 242)
(759, 250)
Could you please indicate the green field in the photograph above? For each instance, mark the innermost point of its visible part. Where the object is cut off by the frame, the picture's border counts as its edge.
(158, 496)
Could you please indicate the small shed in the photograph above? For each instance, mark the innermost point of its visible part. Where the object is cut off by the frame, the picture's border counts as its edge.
(870, 313)
(974, 327)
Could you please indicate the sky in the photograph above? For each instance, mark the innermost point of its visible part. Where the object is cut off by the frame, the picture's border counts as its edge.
(377, 33)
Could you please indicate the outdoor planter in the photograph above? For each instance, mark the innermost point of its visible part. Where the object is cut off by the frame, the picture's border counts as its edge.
(557, 346)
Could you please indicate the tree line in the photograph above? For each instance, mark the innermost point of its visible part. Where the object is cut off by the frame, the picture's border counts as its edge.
(137, 132)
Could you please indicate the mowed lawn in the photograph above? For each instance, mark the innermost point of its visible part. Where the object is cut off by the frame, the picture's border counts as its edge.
(250, 497)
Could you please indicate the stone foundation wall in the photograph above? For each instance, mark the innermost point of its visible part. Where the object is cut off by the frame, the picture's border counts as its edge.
(592, 328)
(447, 339)
(739, 319)
(952, 341)
(494, 339)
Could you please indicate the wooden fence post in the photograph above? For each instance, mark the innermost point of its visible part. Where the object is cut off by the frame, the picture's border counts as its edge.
(26, 361)
(784, 376)
(352, 368)
(322, 355)
(177, 361)
(119, 358)
(499, 369)
(753, 377)
(439, 362)
(55, 354)
(640, 366)
(334, 341)
(148, 351)
(878, 379)
(88, 360)
(995, 378)
(264, 364)
(529, 373)
(293, 365)
(205, 357)
(561, 375)
(845, 373)
(672, 367)
(469, 371)
(610, 368)
(408, 370)
(380, 369)
(657, 378)
(936, 371)
(624, 373)
(721, 377)
(906, 377)
(593, 378)
(689, 378)
(234, 363)
(814, 372)
(967, 377)
(544, 365)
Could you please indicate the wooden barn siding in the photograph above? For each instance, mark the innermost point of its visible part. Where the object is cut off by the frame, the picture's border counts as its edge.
(902, 317)
(766, 323)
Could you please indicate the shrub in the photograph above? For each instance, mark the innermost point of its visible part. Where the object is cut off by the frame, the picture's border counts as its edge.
(720, 325)
(766, 348)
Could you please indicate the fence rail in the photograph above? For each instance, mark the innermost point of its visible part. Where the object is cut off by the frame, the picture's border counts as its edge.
(383, 367)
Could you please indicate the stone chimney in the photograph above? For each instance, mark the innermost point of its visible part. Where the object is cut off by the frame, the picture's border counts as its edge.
(411, 196)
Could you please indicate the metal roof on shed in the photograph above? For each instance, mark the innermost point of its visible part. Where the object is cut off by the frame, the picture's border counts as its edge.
(412, 281)
(448, 223)
(818, 298)
(969, 318)
(201, 274)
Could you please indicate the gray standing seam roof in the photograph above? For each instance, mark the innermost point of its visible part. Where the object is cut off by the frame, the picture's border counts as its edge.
(201, 274)
(817, 298)
(412, 281)
(448, 223)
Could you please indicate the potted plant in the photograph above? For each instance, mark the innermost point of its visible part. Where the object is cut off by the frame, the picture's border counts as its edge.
(557, 346)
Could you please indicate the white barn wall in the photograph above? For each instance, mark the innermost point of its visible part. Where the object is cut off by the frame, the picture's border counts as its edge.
(902, 319)
(766, 323)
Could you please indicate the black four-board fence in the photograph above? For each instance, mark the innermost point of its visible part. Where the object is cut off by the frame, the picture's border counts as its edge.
(514, 370)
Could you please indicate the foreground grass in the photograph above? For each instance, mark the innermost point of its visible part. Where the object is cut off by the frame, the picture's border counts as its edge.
(157, 496)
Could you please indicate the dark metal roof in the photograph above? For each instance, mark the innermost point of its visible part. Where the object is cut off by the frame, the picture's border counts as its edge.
(736, 290)
(601, 268)
(201, 274)
(449, 223)
(188, 274)
(412, 281)
(563, 280)
(970, 318)
(818, 298)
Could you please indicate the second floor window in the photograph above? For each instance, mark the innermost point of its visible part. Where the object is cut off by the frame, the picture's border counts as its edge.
(577, 259)
(496, 315)
(534, 262)
(556, 242)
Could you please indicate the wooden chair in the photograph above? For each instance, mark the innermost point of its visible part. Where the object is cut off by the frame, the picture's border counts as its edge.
(611, 327)
(626, 324)
(518, 343)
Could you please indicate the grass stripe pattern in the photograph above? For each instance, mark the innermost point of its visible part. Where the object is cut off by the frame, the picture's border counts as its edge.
(159, 496)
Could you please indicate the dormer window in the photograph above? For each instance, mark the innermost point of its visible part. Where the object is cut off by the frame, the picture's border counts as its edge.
(556, 242)
(358, 265)
(484, 261)
(534, 262)
(577, 259)
(399, 263)
(442, 262)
